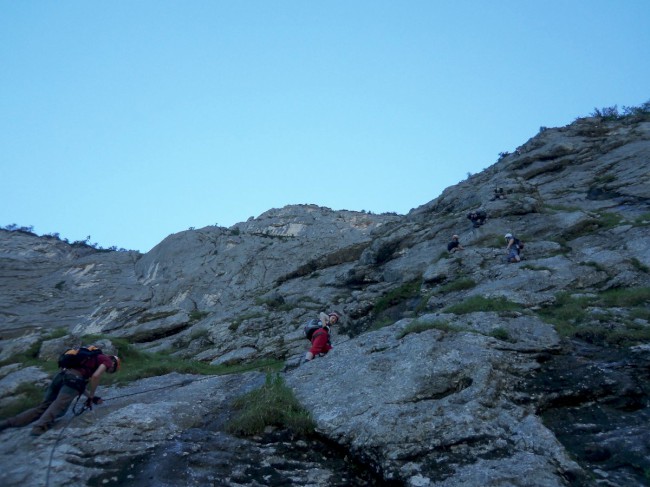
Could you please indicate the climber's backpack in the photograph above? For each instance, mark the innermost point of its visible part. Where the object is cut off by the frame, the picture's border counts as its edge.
(310, 327)
(74, 358)
(519, 244)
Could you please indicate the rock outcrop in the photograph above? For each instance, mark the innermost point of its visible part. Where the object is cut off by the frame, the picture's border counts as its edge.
(448, 369)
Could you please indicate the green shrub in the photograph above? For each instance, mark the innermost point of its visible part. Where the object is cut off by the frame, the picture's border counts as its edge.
(604, 179)
(479, 303)
(273, 404)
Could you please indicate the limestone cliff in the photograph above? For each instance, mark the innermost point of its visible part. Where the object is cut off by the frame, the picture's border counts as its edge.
(448, 369)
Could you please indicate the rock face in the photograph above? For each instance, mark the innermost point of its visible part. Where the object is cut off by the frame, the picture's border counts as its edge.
(434, 408)
(448, 369)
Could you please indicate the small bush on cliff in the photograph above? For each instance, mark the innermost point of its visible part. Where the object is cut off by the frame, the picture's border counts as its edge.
(273, 404)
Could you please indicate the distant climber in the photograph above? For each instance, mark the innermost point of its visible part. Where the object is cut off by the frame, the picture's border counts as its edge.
(68, 383)
(513, 248)
(454, 245)
(477, 217)
(320, 338)
(499, 194)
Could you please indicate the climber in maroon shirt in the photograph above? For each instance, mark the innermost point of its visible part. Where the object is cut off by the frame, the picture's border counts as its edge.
(320, 340)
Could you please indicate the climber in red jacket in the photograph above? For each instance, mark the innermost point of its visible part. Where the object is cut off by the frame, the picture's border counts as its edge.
(320, 340)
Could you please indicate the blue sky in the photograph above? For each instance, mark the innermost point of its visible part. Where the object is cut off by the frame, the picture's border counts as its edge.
(129, 121)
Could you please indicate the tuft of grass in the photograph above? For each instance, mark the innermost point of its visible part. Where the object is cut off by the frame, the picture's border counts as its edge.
(26, 396)
(599, 267)
(443, 255)
(147, 317)
(457, 285)
(395, 296)
(604, 179)
(273, 404)
(196, 315)
(198, 333)
(491, 241)
(417, 326)
(501, 334)
(625, 297)
(639, 266)
(642, 220)
(479, 303)
(562, 208)
(604, 221)
(137, 364)
(234, 324)
(27, 358)
(276, 303)
(380, 323)
(609, 220)
(571, 316)
(567, 309)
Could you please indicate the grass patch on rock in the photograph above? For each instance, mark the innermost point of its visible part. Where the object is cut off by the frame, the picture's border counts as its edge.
(417, 326)
(25, 396)
(273, 404)
(475, 304)
(138, 364)
(608, 318)
(457, 285)
(395, 296)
